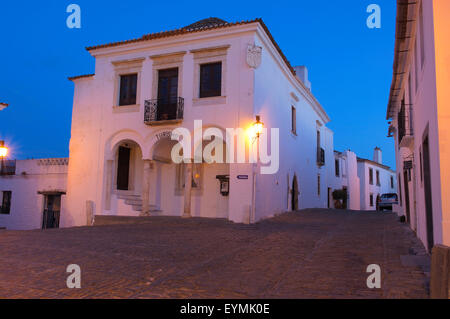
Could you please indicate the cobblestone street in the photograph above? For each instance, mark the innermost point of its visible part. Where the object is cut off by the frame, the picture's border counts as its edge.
(309, 254)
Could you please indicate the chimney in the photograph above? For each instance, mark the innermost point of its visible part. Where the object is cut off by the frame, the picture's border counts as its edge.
(377, 156)
(302, 74)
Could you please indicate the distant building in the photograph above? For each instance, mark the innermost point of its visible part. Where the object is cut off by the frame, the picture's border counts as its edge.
(364, 180)
(420, 117)
(3, 106)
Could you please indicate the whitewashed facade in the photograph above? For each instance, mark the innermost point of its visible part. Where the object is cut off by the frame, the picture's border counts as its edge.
(32, 186)
(365, 180)
(419, 117)
(255, 80)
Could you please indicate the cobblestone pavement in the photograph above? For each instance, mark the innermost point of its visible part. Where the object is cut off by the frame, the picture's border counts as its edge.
(309, 254)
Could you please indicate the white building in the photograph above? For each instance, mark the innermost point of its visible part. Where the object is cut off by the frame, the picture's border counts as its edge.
(3, 106)
(224, 74)
(32, 192)
(420, 115)
(364, 180)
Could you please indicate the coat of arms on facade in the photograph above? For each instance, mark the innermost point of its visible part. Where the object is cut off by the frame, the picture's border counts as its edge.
(254, 56)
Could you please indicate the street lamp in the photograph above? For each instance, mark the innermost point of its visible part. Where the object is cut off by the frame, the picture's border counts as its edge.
(258, 126)
(3, 153)
(3, 149)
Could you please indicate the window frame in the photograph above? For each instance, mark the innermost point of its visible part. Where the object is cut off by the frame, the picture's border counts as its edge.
(127, 67)
(370, 175)
(293, 120)
(204, 56)
(217, 92)
(337, 170)
(129, 87)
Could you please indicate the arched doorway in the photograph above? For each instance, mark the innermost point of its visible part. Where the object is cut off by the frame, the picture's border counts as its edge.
(295, 193)
(128, 167)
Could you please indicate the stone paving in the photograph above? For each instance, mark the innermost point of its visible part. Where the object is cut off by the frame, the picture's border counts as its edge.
(308, 254)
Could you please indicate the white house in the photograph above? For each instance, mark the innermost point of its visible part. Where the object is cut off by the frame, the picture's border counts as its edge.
(364, 180)
(419, 115)
(3, 106)
(226, 75)
(32, 192)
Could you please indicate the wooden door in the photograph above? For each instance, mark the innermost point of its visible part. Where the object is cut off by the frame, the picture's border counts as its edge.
(123, 168)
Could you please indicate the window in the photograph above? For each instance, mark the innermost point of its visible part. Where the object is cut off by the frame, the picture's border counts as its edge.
(392, 181)
(422, 38)
(6, 202)
(294, 120)
(318, 185)
(399, 181)
(210, 79)
(378, 178)
(371, 200)
(370, 176)
(128, 89)
(318, 139)
(336, 167)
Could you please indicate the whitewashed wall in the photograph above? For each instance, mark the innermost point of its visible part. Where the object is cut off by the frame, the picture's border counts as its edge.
(32, 176)
(275, 92)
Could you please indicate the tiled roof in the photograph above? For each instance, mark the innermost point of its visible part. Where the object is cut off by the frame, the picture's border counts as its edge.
(71, 78)
(360, 159)
(202, 25)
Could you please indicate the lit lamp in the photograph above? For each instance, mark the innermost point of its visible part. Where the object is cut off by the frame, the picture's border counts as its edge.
(3, 149)
(258, 126)
(3, 153)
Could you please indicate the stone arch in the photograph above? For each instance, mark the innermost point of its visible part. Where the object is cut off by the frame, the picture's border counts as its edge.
(113, 143)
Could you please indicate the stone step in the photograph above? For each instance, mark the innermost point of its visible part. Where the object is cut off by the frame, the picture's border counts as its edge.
(138, 208)
(133, 201)
(129, 197)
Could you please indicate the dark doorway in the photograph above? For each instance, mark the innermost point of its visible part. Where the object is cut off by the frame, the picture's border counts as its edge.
(427, 191)
(344, 202)
(123, 168)
(52, 208)
(167, 94)
(295, 193)
(329, 197)
(406, 186)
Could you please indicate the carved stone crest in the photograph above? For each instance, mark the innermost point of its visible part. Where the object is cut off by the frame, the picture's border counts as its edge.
(254, 56)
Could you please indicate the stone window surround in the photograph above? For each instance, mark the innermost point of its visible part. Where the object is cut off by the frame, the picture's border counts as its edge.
(167, 61)
(124, 67)
(204, 56)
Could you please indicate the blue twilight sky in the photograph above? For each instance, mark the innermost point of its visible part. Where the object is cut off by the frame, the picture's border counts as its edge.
(350, 65)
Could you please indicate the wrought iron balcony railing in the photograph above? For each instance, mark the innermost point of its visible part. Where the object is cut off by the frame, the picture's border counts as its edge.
(165, 109)
(404, 127)
(320, 157)
(7, 167)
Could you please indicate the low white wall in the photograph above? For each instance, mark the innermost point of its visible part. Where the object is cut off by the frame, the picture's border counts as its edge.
(32, 176)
